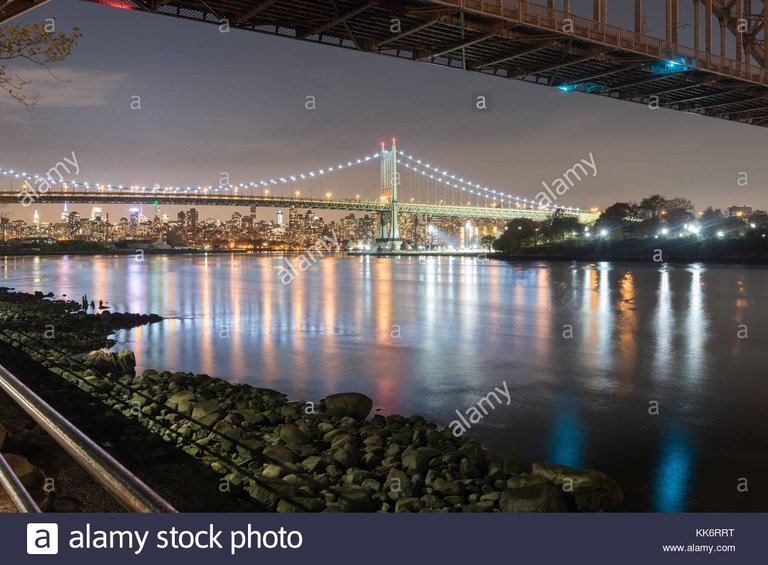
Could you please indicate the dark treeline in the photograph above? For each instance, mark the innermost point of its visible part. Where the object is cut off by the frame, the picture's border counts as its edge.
(635, 231)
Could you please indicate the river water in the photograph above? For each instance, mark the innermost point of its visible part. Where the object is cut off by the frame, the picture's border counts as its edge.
(640, 371)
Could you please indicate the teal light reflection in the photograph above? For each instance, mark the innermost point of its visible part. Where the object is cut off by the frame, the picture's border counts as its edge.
(673, 475)
(568, 439)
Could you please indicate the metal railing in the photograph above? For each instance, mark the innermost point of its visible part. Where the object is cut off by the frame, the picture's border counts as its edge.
(16, 491)
(127, 489)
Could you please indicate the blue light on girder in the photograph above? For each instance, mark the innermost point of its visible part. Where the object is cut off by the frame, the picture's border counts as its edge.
(587, 87)
(670, 66)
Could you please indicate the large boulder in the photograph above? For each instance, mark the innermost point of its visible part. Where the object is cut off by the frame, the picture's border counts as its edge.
(182, 401)
(30, 476)
(293, 436)
(414, 463)
(592, 490)
(126, 361)
(269, 492)
(280, 455)
(352, 404)
(448, 488)
(121, 363)
(354, 499)
(535, 498)
(398, 484)
(204, 408)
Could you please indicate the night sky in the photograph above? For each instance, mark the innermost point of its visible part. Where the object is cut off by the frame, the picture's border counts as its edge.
(234, 102)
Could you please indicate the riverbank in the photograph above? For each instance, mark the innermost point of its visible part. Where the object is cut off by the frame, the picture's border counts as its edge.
(647, 250)
(326, 455)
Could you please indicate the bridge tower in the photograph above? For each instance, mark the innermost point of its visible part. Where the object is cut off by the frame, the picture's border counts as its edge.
(390, 180)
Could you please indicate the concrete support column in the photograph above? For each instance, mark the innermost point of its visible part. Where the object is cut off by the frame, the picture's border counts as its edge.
(596, 10)
(567, 6)
(604, 11)
(639, 16)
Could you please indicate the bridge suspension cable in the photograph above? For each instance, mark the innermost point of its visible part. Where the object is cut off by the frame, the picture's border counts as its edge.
(281, 180)
(452, 180)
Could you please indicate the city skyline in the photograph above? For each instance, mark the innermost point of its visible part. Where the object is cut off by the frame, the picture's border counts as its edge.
(262, 128)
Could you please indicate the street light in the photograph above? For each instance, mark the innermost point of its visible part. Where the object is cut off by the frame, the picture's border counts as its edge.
(328, 195)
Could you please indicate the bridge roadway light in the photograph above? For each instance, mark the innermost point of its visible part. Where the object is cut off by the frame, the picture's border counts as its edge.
(328, 195)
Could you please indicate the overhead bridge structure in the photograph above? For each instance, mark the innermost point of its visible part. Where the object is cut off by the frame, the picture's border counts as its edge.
(723, 74)
(10, 9)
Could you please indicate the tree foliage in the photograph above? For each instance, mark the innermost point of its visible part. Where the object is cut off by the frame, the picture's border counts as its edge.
(559, 226)
(518, 233)
(37, 44)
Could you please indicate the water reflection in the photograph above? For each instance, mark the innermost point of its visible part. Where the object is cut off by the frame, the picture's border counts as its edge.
(674, 473)
(430, 336)
(568, 432)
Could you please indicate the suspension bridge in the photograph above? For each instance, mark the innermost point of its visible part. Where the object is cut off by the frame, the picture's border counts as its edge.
(407, 185)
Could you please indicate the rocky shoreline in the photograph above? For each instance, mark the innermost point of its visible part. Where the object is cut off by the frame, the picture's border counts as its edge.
(63, 322)
(330, 455)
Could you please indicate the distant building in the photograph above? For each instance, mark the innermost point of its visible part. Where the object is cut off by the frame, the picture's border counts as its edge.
(348, 228)
(73, 222)
(739, 211)
(192, 218)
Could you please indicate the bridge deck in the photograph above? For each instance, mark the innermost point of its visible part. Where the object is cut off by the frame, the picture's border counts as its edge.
(202, 199)
(513, 39)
